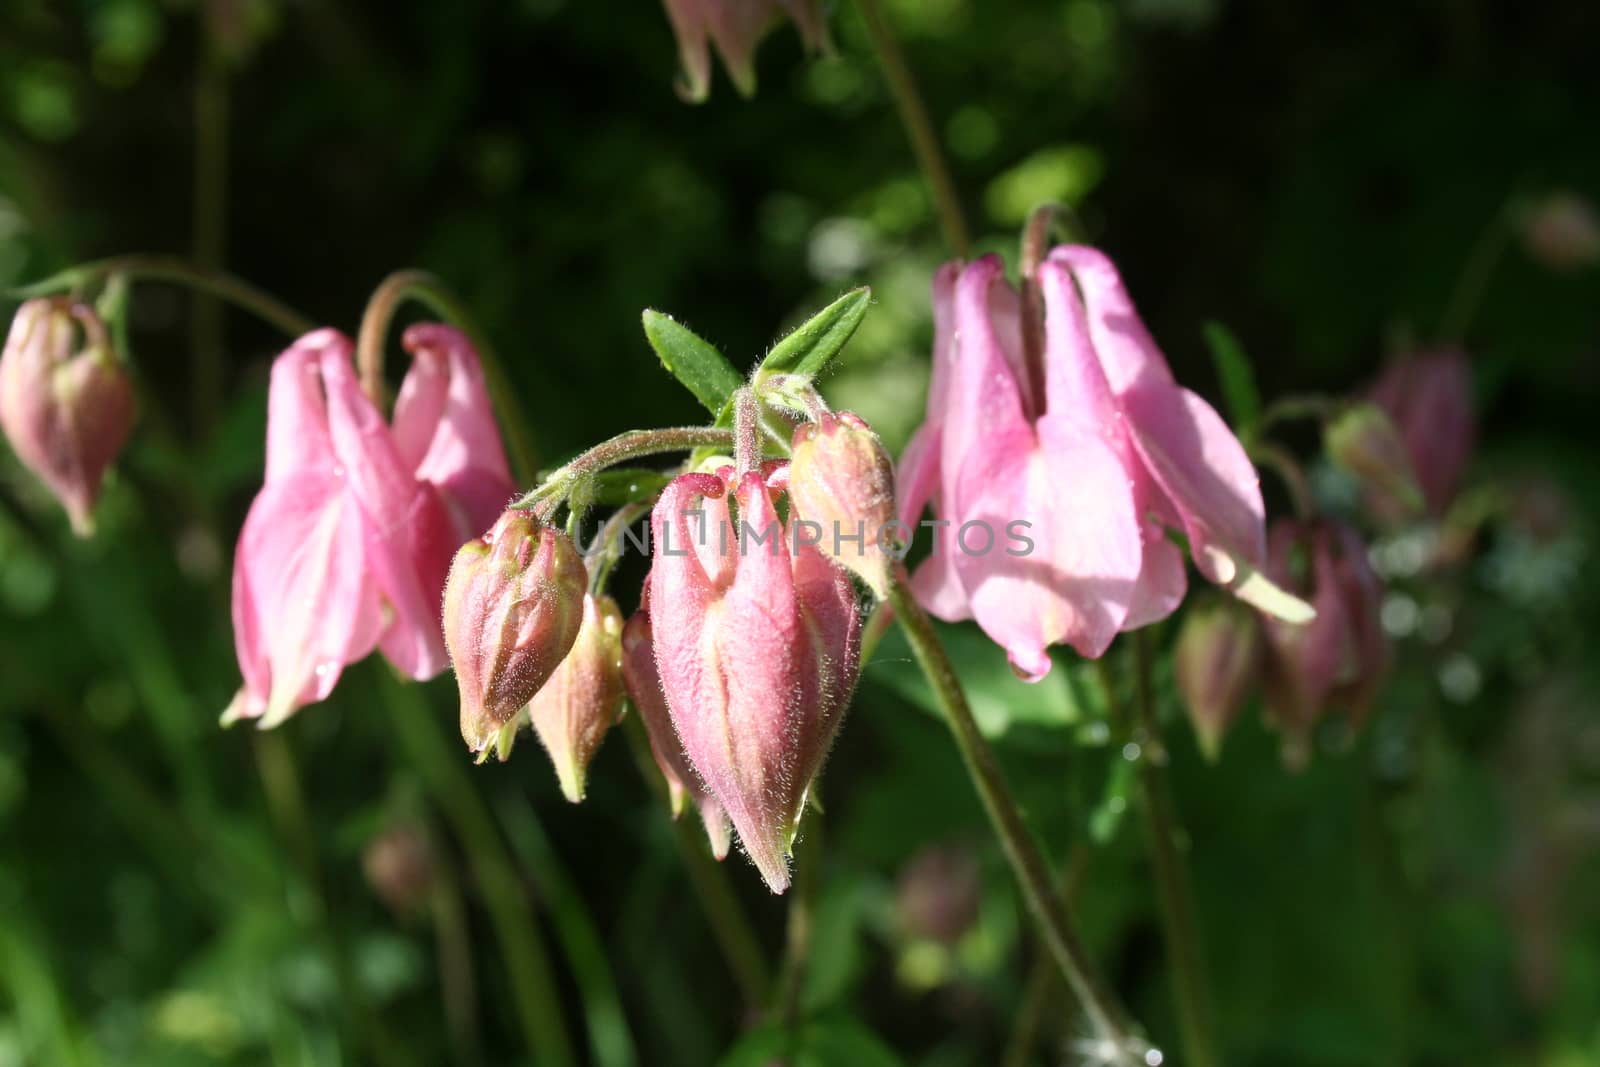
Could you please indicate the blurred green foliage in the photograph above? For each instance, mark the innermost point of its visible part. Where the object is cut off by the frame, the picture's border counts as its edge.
(1317, 177)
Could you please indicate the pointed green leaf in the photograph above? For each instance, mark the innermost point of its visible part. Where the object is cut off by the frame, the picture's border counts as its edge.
(812, 345)
(1238, 378)
(694, 361)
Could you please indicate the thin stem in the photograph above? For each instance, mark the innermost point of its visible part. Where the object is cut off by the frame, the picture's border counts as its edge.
(746, 431)
(735, 936)
(458, 986)
(1294, 479)
(919, 127)
(537, 1001)
(620, 449)
(180, 272)
(1295, 406)
(1041, 985)
(1195, 1016)
(428, 290)
(1027, 864)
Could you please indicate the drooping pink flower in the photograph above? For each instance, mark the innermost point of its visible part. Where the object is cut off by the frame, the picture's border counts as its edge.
(1099, 459)
(757, 644)
(735, 27)
(66, 406)
(842, 480)
(1216, 665)
(572, 712)
(1429, 398)
(1340, 657)
(644, 689)
(343, 549)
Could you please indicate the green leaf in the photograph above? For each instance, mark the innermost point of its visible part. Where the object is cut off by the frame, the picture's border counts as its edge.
(829, 1042)
(694, 361)
(1238, 377)
(812, 345)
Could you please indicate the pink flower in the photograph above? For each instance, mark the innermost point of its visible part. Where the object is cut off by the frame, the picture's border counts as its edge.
(757, 645)
(735, 27)
(66, 410)
(644, 689)
(1341, 656)
(347, 544)
(1429, 398)
(582, 700)
(1097, 453)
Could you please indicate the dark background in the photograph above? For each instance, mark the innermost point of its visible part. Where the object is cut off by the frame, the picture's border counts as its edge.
(1333, 181)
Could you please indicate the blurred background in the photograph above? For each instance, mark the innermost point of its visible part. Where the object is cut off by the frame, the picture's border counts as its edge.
(1334, 182)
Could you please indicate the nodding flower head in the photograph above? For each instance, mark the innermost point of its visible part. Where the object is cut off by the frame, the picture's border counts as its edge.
(573, 710)
(66, 403)
(512, 609)
(1217, 662)
(735, 27)
(842, 481)
(1429, 398)
(757, 642)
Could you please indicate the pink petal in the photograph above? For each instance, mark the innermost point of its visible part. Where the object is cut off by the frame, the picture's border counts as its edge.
(1076, 583)
(444, 427)
(1126, 350)
(1203, 469)
(297, 413)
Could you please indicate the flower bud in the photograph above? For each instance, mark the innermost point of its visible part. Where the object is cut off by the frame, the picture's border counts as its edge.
(644, 689)
(937, 893)
(1217, 661)
(735, 27)
(398, 864)
(1562, 233)
(1429, 398)
(513, 606)
(758, 645)
(1364, 441)
(583, 698)
(842, 480)
(66, 410)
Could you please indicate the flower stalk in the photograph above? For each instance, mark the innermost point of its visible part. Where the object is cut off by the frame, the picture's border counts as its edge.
(633, 444)
(1105, 1015)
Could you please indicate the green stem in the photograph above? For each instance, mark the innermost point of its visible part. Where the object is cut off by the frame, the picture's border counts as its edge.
(735, 936)
(179, 272)
(1105, 1015)
(620, 449)
(1294, 479)
(1041, 985)
(537, 1001)
(1196, 1019)
(429, 291)
(919, 127)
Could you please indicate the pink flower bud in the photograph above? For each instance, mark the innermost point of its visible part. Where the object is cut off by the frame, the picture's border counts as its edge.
(399, 866)
(937, 893)
(1562, 233)
(1340, 657)
(1429, 397)
(583, 698)
(644, 688)
(1217, 662)
(66, 410)
(513, 606)
(757, 641)
(842, 481)
(735, 27)
(1364, 441)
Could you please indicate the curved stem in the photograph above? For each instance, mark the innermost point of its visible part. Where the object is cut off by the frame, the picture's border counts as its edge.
(1106, 1016)
(537, 1000)
(1195, 1017)
(621, 448)
(1294, 479)
(428, 290)
(180, 272)
(919, 127)
(735, 936)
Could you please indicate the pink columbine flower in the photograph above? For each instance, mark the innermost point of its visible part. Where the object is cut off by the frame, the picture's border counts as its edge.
(347, 544)
(735, 27)
(757, 643)
(1096, 454)
(1341, 656)
(66, 409)
(644, 689)
(1429, 398)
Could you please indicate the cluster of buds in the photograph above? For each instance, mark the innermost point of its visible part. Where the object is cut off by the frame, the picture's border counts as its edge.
(66, 403)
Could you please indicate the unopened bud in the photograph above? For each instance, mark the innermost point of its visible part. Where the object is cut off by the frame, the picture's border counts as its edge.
(66, 409)
(841, 478)
(1217, 662)
(1364, 441)
(1562, 232)
(513, 606)
(583, 698)
(398, 865)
